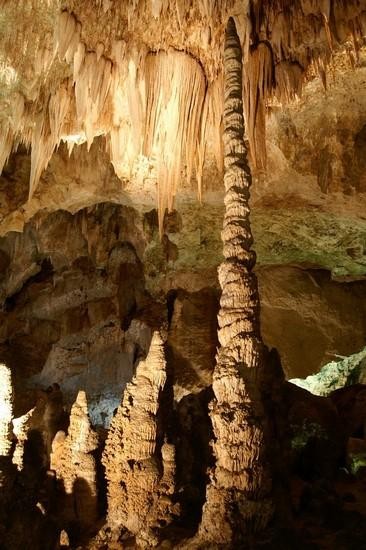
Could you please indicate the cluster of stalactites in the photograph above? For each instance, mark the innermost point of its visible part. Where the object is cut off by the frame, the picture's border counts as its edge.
(157, 109)
(150, 105)
(285, 42)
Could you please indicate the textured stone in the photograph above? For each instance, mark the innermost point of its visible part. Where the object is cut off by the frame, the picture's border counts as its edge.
(6, 410)
(238, 496)
(21, 427)
(324, 319)
(138, 459)
(351, 406)
(334, 375)
(75, 467)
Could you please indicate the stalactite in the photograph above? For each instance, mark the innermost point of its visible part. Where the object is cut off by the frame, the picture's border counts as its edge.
(47, 133)
(238, 499)
(211, 125)
(175, 88)
(258, 85)
(67, 35)
(6, 144)
(289, 81)
(75, 466)
(140, 466)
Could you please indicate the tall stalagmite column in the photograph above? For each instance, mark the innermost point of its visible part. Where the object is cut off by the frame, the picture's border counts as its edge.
(238, 496)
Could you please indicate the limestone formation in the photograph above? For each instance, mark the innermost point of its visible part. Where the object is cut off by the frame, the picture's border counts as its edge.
(335, 375)
(6, 410)
(75, 466)
(64, 539)
(139, 460)
(238, 499)
(52, 415)
(21, 427)
(42, 422)
(7, 470)
(114, 118)
(82, 75)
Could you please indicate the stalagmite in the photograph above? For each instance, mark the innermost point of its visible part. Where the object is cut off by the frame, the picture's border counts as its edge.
(75, 466)
(7, 469)
(140, 465)
(52, 415)
(238, 499)
(6, 410)
(21, 427)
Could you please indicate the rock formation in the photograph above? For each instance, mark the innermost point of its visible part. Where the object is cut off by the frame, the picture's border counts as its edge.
(115, 117)
(138, 459)
(7, 470)
(75, 83)
(75, 466)
(6, 410)
(53, 413)
(21, 427)
(238, 499)
(335, 375)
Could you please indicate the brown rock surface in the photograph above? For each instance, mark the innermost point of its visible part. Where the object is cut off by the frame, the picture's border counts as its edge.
(21, 427)
(324, 319)
(75, 467)
(238, 497)
(6, 410)
(351, 405)
(139, 461)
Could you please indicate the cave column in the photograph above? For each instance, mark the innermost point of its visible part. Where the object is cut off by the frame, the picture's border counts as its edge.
(238, 499)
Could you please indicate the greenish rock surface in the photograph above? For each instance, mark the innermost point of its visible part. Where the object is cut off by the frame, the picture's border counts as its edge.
(311, 238)
(301, 237)
(335, 375)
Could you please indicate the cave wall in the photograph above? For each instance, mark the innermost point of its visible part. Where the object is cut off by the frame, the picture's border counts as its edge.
(85, 277)
(83, 292)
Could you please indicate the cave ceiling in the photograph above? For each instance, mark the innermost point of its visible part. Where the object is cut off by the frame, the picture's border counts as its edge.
(147, 75)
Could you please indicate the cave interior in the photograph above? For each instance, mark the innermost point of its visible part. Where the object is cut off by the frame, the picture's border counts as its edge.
(183, 274)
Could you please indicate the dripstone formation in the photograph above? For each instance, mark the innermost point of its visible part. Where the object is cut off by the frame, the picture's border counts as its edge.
(6, 410)
(182, 188)
(238, 496)
(75, 467)
(138, 458)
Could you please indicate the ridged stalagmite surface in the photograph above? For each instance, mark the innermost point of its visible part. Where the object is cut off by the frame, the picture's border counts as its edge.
(74, 464)
(238, 501)
(6, 410)
(139, 462)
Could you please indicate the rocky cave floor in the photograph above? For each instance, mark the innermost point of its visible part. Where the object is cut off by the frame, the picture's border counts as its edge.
(318, 456)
